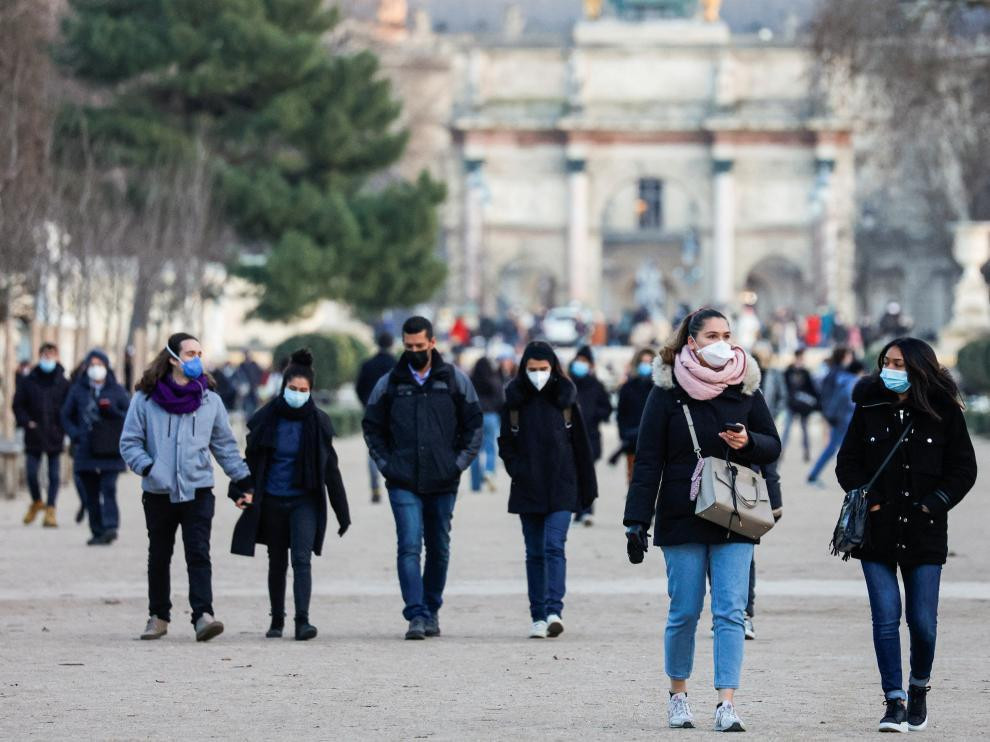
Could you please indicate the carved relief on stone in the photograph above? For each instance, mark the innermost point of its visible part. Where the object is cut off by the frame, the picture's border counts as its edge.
(712, 9)
(593, 9)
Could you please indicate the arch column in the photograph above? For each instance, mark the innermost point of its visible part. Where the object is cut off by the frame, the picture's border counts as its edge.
(723, 265)
(473, 228)
(579, 269)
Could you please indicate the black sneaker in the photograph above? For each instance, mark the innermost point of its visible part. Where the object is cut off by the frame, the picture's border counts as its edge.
(432, 626)
(275, 630)
(917, 708)
(417, 629)
(304, 630)
(895, 720)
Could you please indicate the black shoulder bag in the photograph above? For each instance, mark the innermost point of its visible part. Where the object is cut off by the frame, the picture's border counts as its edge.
(850, 530)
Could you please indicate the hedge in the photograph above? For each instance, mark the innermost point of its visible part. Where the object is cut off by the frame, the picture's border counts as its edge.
(973, 364)
(336, 356)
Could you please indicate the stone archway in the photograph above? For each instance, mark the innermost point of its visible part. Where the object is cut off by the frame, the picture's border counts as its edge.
(779, 283)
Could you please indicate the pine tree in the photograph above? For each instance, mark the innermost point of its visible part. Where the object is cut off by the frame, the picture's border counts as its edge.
(293, 132)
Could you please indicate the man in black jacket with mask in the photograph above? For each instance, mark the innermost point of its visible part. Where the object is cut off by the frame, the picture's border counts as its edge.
(423, 427)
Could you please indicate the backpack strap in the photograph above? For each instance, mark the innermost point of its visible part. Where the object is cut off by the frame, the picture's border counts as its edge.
(514, 419)
(568, 415)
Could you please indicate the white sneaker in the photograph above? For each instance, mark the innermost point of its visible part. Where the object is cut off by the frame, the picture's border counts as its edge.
(679, 714)
(727, 720)
(539, 630)
(555, 627)
(749, 628)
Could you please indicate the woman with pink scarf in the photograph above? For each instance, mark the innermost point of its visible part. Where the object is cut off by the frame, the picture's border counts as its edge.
(719, 383)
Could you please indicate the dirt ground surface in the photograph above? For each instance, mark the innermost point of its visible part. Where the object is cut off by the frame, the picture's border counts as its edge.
(71, 666)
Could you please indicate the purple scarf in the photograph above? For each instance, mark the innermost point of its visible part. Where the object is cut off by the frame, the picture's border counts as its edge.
(179, 400)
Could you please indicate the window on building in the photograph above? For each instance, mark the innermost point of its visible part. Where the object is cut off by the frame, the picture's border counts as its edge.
(649, 205)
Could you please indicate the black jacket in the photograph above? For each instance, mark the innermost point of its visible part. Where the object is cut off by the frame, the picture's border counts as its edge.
(550, 464)
(802, 395)
(39, 399)
(248, 530)
(488, 384)
(422, 437)
(596, 408)
(81, 411)
(371, 371)
(632, 402)
(934, 467)
(665, 458)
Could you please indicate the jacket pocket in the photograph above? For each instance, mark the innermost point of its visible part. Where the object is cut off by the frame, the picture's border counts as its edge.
(155, 480)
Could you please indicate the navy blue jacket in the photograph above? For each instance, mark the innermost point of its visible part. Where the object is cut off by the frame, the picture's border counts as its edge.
(81, 411)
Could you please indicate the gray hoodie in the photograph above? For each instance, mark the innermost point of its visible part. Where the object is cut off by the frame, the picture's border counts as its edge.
(178, 447)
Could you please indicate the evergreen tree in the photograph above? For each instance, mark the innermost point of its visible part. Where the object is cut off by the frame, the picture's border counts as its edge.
(292, 130)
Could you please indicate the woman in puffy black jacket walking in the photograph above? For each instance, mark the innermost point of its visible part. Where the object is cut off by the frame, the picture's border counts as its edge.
(544, 444)
(907, 528)
(719, 383)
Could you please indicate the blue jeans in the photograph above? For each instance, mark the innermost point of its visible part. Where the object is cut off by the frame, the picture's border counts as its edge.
(34, 486)
(491, 426)
(101, 500)
(546, 564)
(921, 586)
(788, 421)
(688, 565)
(835, 436)
(374, 475)
(419, 520)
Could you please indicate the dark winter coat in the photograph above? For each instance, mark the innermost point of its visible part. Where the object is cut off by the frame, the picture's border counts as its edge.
(550, 463)
(39, 399)
(423, 437)
(249, 530)
(665, 458)
(596, 409)
(632, 402)
(371, 371)
(81, 411)
(488, 384)
(802, 395)
(934, 467)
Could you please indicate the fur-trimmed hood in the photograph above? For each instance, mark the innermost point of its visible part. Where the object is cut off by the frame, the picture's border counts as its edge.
(663, 375)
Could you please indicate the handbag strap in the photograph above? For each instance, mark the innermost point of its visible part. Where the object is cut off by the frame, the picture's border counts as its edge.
(694, 435)
(890, 456)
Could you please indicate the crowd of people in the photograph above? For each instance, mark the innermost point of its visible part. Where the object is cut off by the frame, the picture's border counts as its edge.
(702, 397)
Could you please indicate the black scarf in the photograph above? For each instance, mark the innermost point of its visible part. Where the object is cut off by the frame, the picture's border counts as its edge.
(307, 474)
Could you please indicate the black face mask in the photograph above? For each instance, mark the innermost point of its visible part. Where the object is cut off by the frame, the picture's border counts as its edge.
(419, 359)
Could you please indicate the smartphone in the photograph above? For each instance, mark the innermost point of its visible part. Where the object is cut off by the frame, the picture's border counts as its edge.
(734, 427)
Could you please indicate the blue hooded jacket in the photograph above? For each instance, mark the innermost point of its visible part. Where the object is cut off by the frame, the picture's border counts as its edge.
(81, 411)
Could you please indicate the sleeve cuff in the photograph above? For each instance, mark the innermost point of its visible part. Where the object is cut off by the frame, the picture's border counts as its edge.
(245, 485)
(937, 502)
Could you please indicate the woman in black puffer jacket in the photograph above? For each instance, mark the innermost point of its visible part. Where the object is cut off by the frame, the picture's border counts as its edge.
(544, 444)
(930, 473)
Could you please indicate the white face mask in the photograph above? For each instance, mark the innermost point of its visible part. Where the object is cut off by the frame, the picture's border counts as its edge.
(538, 379)
(97, 373)
(717, 354)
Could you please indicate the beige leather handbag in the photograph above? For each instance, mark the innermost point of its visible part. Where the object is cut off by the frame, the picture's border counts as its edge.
(729, 494)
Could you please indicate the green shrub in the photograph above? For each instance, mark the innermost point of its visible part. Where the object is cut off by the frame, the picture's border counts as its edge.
(336, 356)
(973, 363)
(346, 420)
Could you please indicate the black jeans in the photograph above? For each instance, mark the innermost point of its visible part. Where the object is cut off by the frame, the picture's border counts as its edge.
(100, 488)
(289, 526)
(34, 486)
(163, 517)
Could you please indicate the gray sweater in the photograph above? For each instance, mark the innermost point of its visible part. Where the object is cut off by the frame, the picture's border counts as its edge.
(178, 447)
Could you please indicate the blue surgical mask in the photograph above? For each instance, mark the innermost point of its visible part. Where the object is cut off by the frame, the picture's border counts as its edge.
(295, 399)
(895, 380)
(193, 368)
(645, 368)
(47, 365)
(580, 368)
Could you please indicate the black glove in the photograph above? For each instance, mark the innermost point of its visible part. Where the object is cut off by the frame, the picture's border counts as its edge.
(637, 542)
(343, 529)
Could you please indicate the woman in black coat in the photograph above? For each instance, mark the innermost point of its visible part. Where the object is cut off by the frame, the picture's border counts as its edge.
(930, 473)
(596, 409)
(719, 383)
(632, 400)
(292, 460)
(544, 445)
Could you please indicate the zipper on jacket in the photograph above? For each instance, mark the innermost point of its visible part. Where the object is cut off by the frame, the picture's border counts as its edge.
(169, 435)
(194, 425)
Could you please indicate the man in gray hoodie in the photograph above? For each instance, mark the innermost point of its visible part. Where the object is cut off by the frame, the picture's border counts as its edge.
(174, 423)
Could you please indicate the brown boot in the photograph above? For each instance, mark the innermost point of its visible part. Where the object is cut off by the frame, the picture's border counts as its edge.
(34, 508)
(49, 521)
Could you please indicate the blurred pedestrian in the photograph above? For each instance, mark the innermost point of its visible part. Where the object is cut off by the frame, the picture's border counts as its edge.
(911, 394)
(544, 444)
(93, 417)
(423, 427)
(372, 370)
(632, 401)
(703, 379)
(596, 409)
(491, 397)
(175, 421)
(295, 470)
(838, 409)
(250, 375)
(802, 400)
(38, 409)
